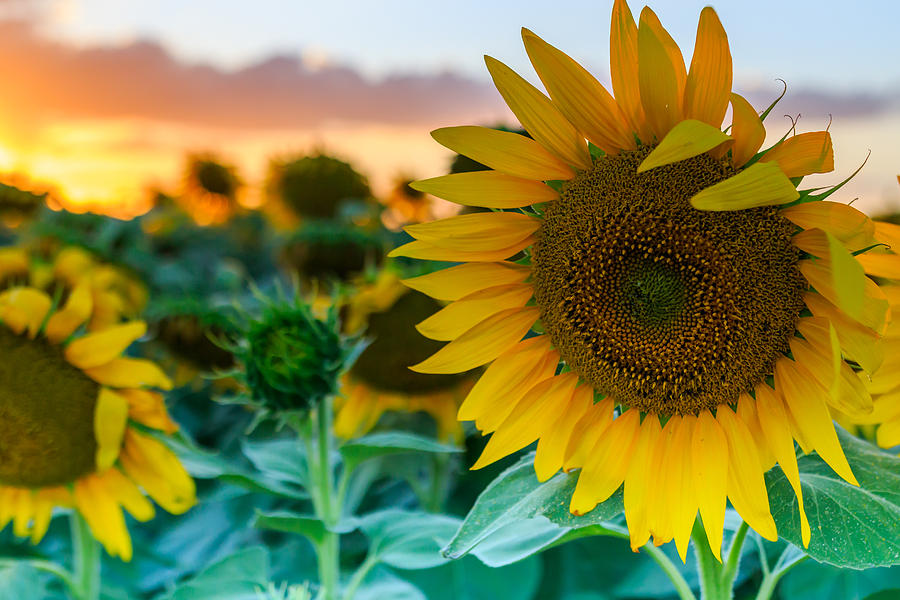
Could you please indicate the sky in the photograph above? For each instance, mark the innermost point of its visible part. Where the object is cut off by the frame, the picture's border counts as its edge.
(105, 97)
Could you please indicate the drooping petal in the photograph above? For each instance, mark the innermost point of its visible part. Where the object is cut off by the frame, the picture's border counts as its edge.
(885, 265)
(489, 189)
(805, 399)
(661, 75)
(130, 372)
(480, 232)
(96, 349)
(687, 139)
(552, 446)
(103, 515)
(110, 421)
(156, 469)
(588, 430)
(859, 342)
(774, 423)
(708, 82)
(539, 116)
(684, 503)
(836, 274)
(481, 344)
(803, 154)
(641, 482)
(535, 412)
(747, 130)
(77, 310)
(579, 96)
(128, 495)
(454, 320)
(761, 184)
(149, 409)
(709, 459)
(623, 63)
(460, 281)
(510, 153)
(30, 307)
(852, 227)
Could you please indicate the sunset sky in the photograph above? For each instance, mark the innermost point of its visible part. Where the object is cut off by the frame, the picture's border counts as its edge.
(103, 98)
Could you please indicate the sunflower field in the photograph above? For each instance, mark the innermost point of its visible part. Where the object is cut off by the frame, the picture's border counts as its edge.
(638, 358)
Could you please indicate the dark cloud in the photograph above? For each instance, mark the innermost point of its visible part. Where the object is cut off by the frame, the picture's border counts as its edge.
(42, 78)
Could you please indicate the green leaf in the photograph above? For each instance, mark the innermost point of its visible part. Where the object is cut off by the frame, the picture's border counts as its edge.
(816, 581)
(282, 460)
(236, 577)
(23, 582)
(857, 527)
(892, 594)
(390, 442)
(469, 579)
(308, 526)
(516, 498)
(382, 584)
(407, 539)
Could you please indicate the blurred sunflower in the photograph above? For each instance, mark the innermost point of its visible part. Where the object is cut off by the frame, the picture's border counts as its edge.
(74, 415)
(18, 205)
(671, 272)
(379, 380)
(328, 251)
(115, 292)
(314, 187)
(211, 189)
(406, 205)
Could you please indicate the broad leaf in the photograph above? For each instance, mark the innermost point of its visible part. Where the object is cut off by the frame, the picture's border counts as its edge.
(857, 527)
(511, 502)
(237, 577)
(816, 581)
(407, 539)
(308, 526)
(391, 442)
(469, 579)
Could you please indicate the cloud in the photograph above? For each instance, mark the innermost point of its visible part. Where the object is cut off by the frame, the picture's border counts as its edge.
(43, 79)
(818, 104)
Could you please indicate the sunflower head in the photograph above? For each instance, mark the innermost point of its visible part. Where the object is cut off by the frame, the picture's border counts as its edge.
(80, 424)
(194, 333)
(695, 313)
(19, 205)
(405, 204)
(291, 359)
(211, 190)
(329, 251)
(317, 186)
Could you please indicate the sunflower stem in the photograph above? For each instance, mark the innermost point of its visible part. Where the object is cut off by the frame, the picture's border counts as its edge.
(733, 562)
(328, 507)
(440, 467)
(709, 568)
(671, 571)
(86, 558)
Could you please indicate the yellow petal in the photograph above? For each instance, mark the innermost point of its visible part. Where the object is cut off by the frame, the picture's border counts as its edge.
(746, 412)
(14, 262)
(460, 281)
(73, 315)
(803, 154)
(489, 189)
(130, 372)
(504, 151)
(551, 448)
(886, 266)
(774, 423)
(149, 408)
(623, 62)
(761, 184)
(680, 480)
(640, 480)
(887, 378)
(589, 428)
(128, 495)
(607, 463)
(156, 469)
(661, 75)
(110, 421)
(476, 232)
(687, 139)
(539, 116)
(454, 320)
(853, 228)
(579, 96)
(425, 251)
(535, 412)
(746, 486)
(747, 129)
(96, 349)
(859, 342)
(888, 435)
(836, 274)
(103, 515)
(822, 338)
(709, 459)
(805, 399)
(481, 344)
(889, 233)
(30, 305)
(708, 83)
(506, 374)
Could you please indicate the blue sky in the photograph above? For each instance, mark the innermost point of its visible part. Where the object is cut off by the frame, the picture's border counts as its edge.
(833, 45)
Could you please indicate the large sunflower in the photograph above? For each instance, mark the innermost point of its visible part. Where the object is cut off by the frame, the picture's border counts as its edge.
(695, 313)
(76, 420)
(379, 381)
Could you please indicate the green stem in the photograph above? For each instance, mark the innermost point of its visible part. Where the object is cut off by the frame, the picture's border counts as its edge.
(708, 568)
(360, 574)
(435, 500)
(770, 581)
(669, 568)
(86, 560)
(42, 565)
(328, 509)
(733, 562)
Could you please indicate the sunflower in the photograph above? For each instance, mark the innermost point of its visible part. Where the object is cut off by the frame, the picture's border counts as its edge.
(115, 292)
(210, 190)
(694, 313)
(77, 420)
(379, 381)
(330, 251)
(406, 205)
